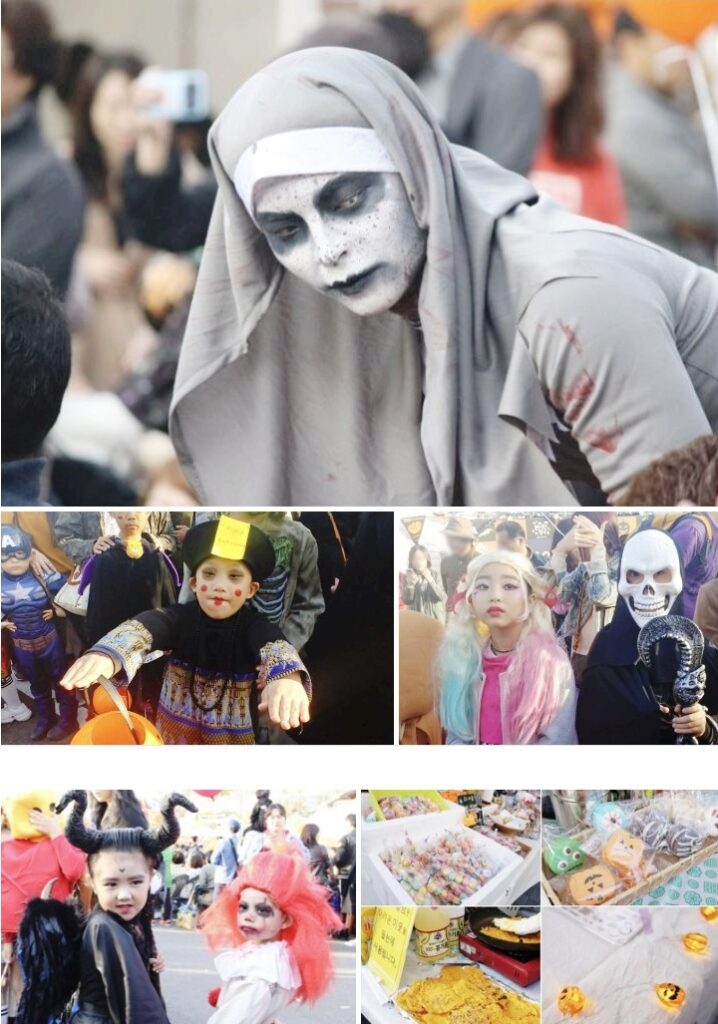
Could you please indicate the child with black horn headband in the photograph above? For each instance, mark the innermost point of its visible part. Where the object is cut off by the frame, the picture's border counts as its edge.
(110, 958)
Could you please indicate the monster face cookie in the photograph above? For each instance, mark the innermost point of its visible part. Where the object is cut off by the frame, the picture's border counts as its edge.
(563, 854)
(593, 886)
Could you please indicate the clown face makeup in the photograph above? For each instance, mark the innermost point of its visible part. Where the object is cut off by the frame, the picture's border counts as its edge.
(223, 586)
(259, 917)
(650, 578)
(351, 236)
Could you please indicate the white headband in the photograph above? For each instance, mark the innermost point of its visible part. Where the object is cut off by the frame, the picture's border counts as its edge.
(309, 151)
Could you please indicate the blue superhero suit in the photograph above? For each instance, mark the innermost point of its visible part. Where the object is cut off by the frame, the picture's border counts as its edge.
(35, 645)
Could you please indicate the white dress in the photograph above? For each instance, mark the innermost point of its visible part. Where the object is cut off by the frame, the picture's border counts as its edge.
(258, 981)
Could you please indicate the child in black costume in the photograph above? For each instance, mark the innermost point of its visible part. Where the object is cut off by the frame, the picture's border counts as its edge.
(111, 956)
(223, 652)
(131, 576)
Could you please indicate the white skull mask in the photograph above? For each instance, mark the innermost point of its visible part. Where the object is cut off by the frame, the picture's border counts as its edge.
(650, 575)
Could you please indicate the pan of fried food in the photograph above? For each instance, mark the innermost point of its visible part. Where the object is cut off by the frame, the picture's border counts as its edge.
(465, 995)
(519, 935)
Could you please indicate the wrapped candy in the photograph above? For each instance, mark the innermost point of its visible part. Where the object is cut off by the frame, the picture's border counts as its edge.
(593, 886)
(652, 828)
(624, 852)
(607, 816)
(682, 840)
(405, 807)
(444, 869)
(563, 854)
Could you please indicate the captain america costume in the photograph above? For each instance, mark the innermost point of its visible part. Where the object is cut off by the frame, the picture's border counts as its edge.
(35, 645)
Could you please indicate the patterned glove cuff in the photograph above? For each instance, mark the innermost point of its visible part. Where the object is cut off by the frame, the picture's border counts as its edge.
(278, 660)
(127, 645)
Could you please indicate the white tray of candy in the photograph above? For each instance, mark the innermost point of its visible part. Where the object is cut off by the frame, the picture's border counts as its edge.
(496, 863)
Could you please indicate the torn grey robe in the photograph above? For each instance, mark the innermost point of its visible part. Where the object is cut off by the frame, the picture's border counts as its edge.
(552, 348)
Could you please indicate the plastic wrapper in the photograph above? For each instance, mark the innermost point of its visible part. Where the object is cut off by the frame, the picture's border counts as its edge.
(502, 839)
(405, 807)
(590, 886)
(444, 868)
(678, 823)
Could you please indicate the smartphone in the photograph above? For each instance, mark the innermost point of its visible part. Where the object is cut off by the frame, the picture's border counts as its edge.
(185, 94)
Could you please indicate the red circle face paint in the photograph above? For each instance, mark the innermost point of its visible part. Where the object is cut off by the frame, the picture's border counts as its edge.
(238, 593)
(203, 588)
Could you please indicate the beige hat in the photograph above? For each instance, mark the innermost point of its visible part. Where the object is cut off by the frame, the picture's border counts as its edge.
(460, 526)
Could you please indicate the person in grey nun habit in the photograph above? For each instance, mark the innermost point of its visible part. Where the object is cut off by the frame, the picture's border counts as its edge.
(442, 334)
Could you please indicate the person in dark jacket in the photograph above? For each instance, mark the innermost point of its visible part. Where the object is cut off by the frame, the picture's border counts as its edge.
(35, 372)
(483, 98)
(623, 700)
(42, 196)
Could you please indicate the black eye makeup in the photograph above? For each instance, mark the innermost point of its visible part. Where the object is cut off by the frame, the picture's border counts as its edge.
(282, 230)
(350, 193)
(262, 909)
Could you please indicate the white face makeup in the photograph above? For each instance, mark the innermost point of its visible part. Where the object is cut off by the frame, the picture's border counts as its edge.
(351, 236)
(259, 917)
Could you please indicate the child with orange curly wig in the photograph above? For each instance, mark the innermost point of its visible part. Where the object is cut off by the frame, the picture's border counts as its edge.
(271, 928)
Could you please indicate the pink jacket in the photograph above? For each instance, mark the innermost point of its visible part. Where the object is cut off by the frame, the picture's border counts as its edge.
(538, 694)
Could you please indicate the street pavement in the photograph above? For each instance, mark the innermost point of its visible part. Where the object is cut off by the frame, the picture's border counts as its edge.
(18, 733)
(190, 975)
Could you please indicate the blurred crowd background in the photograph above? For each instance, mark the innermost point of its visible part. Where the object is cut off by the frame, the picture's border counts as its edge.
(610, 107)
(434, 551)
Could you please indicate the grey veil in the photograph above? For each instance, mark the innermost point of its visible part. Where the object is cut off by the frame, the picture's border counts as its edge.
(284, 397)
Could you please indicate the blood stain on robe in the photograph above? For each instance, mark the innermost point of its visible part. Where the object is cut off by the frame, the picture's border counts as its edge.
(571, 336)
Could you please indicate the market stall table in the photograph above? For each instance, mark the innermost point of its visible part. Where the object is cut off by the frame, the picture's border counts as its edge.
(518, 874)
(619, 980)
(378, 1009)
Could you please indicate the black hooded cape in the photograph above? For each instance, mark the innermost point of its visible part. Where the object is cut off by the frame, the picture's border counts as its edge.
(122, 587)
(114, 981)
(616, 702)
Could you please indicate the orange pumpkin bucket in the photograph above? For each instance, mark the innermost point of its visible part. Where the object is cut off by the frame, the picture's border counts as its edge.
(111, 730)
(103, 703)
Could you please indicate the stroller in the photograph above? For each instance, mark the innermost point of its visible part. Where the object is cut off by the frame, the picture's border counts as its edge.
(186, 905)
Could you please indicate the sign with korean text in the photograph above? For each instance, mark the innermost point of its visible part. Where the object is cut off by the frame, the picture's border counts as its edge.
(392, 931)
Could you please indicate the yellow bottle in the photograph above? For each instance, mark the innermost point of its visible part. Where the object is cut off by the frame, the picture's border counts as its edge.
(367, 931)
(430, 933)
